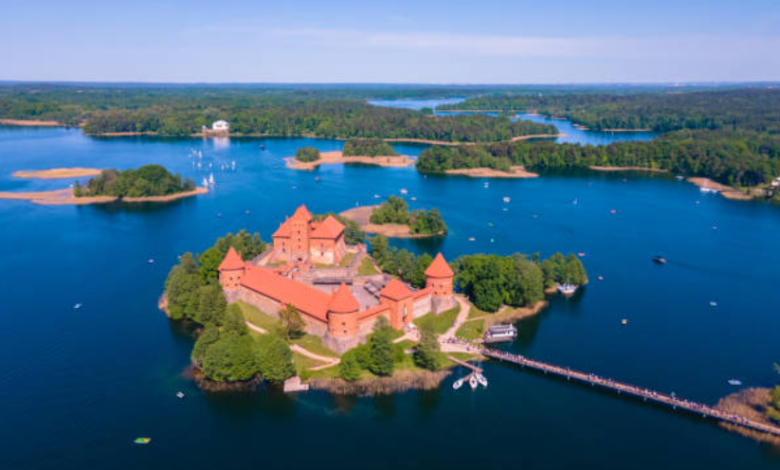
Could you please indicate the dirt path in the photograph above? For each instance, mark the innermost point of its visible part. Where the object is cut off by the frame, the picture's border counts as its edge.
(328, 361)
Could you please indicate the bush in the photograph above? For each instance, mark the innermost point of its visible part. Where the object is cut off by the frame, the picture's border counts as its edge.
(231, 359)
(274, 358)
(350, 368)
(427, 355)
(307, 154)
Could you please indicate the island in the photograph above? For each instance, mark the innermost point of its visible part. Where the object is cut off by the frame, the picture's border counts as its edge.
(362, 151)
(394, 219)
(149, 183)
(758, 404)
(312, 311)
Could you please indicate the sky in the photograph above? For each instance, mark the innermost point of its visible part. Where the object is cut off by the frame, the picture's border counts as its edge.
(397, 41)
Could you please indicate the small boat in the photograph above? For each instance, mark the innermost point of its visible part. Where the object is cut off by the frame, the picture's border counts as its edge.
(376, 196)
(624, 321)
(482, 380)
(613, 211)
(318, 179)
(505, 210)
(211, 179)
(492, 240)
(404, 191)
(233, 165)
(506, 199)
(262, 147)
(471, 239)
(142, 440)
(457, 384)
(575, 202)
(219, 214)
(205, 183)
(679, 177)
(735, 382)
(473, 383)
(413, 198)
(658, 259)
(77, 306)
(150, 261)
(180, 395)
(713, 304)
(247, 212)
(486, 185)
(706, 190)
(567, 289)
(601, 278)
(580, 254)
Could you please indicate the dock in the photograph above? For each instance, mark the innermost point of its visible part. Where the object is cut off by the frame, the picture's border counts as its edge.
(645, 394)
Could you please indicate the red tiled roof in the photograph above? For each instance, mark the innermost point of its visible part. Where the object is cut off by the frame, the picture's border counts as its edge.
(307, 300)
(422, 293)
(396, 290)
(343, 301)
(329, 228)
(302, 213)
(439, 268)
(232, 261)
(373, 311)
(283, 230)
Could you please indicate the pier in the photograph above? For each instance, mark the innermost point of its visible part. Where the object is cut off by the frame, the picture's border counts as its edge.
(645, 394)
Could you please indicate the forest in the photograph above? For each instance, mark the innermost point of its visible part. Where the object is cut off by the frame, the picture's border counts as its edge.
(421, 222)
(368, 148)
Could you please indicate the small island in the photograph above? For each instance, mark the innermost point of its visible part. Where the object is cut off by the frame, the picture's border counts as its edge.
(149, 183)
(362, 151)
(759, 404)
(312, 310)
(394, 219)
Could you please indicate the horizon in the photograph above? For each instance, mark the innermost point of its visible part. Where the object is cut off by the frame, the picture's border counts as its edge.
(435, 42)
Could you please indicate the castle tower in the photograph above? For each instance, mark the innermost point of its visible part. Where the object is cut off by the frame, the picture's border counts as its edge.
(438, 278)
(231, 270)
(399, 298)
(299, 236)
(342, 314)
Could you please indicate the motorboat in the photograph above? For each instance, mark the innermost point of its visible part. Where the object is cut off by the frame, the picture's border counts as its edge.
(457, 384)
(77, 306)
(506, 199)
(211, 179)
(567, 289)
(658, 259)
(180, 395)
(735, 382)
(500, 334)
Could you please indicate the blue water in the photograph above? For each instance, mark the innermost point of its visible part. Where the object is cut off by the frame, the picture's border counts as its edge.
(415, 104)
(574, 135)
(77, 386)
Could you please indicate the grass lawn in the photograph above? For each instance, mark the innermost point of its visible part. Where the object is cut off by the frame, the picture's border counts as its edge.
(263, 320)
(475, 312)
(471, 330)
(314, 344)
(438, 323)
(346, 259)
(304, 363)
(367, 267)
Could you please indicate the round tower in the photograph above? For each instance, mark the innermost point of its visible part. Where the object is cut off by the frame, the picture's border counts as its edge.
(438, 278)
(342, 314)
(231, 270)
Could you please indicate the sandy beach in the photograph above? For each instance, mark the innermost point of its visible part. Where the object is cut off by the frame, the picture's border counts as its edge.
(727, 191)
(330, 158)
(29, 123)
(65, 197)
(516, 172)
(56, 173)
(627, 168)
(362, 214)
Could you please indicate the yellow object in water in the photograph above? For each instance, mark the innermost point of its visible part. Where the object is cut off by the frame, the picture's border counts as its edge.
(143, 440)
(624, 321)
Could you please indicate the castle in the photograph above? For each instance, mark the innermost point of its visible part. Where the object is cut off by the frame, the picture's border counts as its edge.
(336, 303)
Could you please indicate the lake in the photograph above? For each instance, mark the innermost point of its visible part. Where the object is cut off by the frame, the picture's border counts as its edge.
(77, 386)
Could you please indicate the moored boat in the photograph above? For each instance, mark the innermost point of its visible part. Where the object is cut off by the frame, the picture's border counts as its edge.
(567, 289)
(658, 259)
(457, 384)
(482, 380)
(473, 383)
(500, 334)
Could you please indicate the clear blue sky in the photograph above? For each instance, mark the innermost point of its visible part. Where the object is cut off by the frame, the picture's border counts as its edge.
(419, 41)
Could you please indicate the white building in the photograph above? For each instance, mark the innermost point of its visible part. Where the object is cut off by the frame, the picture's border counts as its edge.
(220, 126)
(776, 182)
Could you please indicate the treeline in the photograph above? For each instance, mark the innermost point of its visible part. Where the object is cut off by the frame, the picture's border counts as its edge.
(421, 222)
(741, 158)
(224, 351)
(368, 148)
(750, 108)
(491, 281)
(148, 180)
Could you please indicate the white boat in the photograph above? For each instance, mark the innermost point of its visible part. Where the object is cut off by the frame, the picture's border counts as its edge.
(180, 395)
(506, 199)
(708, 190)
(211, 178)
(376, 196)
(150, 261)
(404, 191)
(567, 289)
(500, 334)
(575, 202)
(413, 198)
(77, 306)
(713, 304)
(482, 380)
(471, 239)
(486, 185)
(233, 165)
(473, 383)
(205, 183)
(457, 384)
(735, 382)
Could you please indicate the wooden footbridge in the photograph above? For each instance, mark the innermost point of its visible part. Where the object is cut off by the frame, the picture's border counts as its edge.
(631, 390)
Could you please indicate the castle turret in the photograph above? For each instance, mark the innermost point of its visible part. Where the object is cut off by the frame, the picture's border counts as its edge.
(438, 278)
(231, 270)
(299, 237)
(342, 313)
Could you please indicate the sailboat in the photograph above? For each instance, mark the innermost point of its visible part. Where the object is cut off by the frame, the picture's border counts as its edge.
(205, 183)
(457, 384)
(473, 383)
(211, 179)
(482, 380)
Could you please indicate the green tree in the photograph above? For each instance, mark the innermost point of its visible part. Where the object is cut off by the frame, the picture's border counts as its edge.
(209, 263)
(380, 250)
(231, 359)
(209, 336)
(274, 358)
(181, 288)
(418, 279)
(349, 367)
(307, 154)
(380, 347)
(293, 325)
(211, 305)
(427, 354)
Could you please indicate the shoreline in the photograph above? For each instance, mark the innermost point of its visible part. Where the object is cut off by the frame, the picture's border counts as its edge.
(337, 157)
(30, 123)
(627, 168)
(726, 191)
(749, 403)
(401, 381)
(361, 215)
(57, 173)
(516, 172)
(65, 197)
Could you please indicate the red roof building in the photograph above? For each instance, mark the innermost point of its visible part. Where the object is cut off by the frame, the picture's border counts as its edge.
(300, 238)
